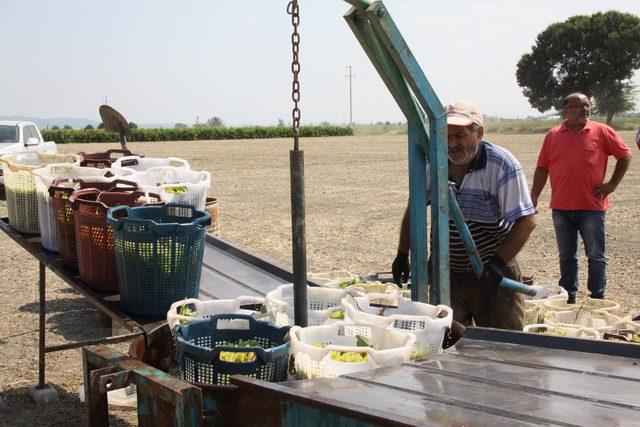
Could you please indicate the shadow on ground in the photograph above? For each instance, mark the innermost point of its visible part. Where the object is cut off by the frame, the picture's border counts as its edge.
(17, 409)
(70, 318)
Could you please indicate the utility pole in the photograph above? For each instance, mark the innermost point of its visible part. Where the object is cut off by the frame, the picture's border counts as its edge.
(106, 100)
(351, 76)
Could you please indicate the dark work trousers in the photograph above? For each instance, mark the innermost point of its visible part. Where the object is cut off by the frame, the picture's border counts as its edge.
(472, 303)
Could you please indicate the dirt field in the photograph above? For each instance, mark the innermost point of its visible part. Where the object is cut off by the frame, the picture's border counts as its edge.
(356, 190)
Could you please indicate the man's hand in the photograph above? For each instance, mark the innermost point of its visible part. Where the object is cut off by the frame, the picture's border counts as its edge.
(401, 268)
(604, 189)
(494, 270)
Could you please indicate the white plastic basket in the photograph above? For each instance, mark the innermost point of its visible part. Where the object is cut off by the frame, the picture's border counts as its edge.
(428, 322)
(547, 292)
(390, 348)
(365, 286)
(588, 304)
(44, 178)
(20, 185)
(132, 164)
(599, 320)
(206, 309)
(331, 276)
(175, 185)
(321, 303)
(573, 331)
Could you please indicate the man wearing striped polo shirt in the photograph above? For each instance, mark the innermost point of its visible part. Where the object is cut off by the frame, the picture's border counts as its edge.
(492, 193)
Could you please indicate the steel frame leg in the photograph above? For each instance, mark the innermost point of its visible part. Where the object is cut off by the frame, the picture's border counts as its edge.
(43, 393)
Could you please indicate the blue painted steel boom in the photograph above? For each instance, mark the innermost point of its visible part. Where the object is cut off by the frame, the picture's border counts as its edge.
(392, 58)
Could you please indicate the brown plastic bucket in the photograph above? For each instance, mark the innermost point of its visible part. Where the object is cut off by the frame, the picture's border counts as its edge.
(60, 192)
(94, 237)
(212, 207)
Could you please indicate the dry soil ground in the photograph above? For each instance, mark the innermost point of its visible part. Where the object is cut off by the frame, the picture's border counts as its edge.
(356, 190)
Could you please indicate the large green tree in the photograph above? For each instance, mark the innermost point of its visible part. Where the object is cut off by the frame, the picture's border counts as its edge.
(596, 55)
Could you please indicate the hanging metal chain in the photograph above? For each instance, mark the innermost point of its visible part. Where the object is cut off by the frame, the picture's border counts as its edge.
(294, 11)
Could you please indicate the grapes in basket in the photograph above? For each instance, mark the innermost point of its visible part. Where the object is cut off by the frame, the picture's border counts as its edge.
(350, 356)
(238, 357)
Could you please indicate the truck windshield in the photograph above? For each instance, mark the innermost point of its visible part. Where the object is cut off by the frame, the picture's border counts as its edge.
(8, 134)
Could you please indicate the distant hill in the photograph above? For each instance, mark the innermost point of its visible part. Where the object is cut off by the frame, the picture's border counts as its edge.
(75, 122)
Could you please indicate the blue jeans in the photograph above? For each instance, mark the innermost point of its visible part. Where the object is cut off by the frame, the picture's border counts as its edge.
(590, 225)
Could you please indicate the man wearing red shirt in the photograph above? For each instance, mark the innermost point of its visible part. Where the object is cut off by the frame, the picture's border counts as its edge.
(574, 154)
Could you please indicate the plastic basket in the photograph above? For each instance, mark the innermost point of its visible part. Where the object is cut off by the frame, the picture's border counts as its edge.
(428, 322)
(199, 344)
(599, 320)
(133, 164)
(588, 304)
(159, 252)
(94, 237)
(547, 292)
(176, 185)
(102, 159)
(321, 304)
(533, 313)
(20, 186)
(392, 347)
(60, 192)
(561, 329)
(365, 286)
(331, 276)
(207, 309)
(44, 178)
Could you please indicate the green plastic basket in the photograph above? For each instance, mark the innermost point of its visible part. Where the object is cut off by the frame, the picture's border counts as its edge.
(159, 252)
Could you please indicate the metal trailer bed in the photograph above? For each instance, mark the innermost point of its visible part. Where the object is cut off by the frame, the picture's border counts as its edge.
(227, 272)
(490, 378)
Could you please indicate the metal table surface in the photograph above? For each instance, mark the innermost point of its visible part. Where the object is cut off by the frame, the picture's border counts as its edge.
(490, 378)
(228, 271)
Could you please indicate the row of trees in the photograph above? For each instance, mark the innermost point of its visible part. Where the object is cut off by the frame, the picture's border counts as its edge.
(597, 55)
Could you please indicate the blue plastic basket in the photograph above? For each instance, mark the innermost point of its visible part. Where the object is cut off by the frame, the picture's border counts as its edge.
(159, 253)
(199, 358)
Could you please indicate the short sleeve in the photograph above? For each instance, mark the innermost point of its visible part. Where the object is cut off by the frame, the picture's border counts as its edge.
(513, 192)
(614, 145)
(543, 157)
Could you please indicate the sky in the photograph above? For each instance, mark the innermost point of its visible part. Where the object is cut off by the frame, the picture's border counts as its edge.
(162, 61)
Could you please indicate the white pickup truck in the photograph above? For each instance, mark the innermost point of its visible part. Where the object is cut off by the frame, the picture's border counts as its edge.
(17, 136)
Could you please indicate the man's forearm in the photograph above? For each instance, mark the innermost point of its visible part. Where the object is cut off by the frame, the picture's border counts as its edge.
(404, 243)
(539, 181)
(622, 165)
(516, 238)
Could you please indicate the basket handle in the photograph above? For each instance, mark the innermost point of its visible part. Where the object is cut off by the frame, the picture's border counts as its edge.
(205, 176)
(178, 162)
(202, 220)
(114, 220)
(118, 151)
(84, 192)
(246, 300)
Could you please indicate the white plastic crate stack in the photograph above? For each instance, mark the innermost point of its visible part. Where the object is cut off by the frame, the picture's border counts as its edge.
(428, 322)
(175, 185)
(588, 304)
(133, 164)
(322, 304)
(327, 351)
(197, 309)
(20, 186)
(44, 178)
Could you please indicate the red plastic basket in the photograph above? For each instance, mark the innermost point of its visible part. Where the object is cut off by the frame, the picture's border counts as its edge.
(104, 159)
(94, 237)
(60, 192)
